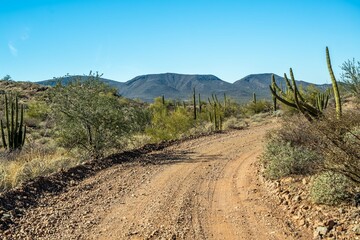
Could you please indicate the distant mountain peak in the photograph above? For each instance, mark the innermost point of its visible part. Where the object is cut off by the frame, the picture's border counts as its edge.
(180, 86)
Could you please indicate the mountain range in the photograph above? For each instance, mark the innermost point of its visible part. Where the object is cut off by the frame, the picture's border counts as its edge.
(180, 86)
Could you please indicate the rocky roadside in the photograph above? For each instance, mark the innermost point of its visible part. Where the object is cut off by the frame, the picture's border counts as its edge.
(327, 222)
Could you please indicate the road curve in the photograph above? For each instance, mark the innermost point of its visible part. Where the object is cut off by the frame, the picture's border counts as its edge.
(206, 188)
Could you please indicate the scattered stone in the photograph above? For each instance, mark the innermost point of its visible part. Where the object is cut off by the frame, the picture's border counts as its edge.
(296, 198)
(356, 229)
(330, 224)
(320, 231)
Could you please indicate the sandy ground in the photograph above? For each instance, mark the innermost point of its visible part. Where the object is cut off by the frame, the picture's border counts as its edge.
(206, 188)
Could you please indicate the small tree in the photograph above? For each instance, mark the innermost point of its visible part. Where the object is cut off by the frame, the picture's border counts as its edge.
(6, 78)
(89, 116)
(351, 76)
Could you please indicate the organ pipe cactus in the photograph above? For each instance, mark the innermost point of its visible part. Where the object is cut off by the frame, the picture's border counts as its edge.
(293, 98)
(322, 100)
(15, 128)
(216, 115)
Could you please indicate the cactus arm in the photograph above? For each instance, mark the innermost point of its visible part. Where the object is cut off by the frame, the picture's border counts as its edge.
(326, 100)
(217, 101)
(11, 145)
(194, 103)
(7, 118)
(23, 138)
(275, 88)
(298, 105)
(295, 86)
(288, 85)
(334, 85)
(16, 120)
(3, 134)
(200, 107)
(282, 99)
(20, 137)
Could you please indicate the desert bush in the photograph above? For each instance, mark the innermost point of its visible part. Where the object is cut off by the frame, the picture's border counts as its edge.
(256, 107)
(330, 188)
(234, 123)
(37, 110)
(351, 76)
(281, 159)
(90, 116)
(166, 124)
(339, 143)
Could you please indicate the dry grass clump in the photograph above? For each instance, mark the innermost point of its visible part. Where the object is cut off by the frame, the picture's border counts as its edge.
(16, 168)
(235, 123)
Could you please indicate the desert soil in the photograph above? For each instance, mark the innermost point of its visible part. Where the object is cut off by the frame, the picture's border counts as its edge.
(205, 188)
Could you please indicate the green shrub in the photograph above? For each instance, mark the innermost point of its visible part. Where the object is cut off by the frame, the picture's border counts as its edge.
(166, 125)
(281, 159)
(90, 116)
(38, 110)
(256, 107)
(330, 188)
(234, 123)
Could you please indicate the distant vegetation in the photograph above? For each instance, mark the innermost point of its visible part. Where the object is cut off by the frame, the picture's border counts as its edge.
(86, 118)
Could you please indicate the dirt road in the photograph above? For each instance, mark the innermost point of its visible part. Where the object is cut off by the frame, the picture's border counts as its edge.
(207, 188)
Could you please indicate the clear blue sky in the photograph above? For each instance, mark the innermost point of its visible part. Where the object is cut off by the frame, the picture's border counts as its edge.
(44, 39)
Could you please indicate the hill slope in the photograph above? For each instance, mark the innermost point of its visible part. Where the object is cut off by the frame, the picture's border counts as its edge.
(176, 86)
(180, 86)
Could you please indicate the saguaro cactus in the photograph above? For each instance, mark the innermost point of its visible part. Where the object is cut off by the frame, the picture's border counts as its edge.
(254, 98)
(15, 128)
(334, 85)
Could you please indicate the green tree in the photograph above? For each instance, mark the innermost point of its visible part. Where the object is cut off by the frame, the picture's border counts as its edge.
(6, 78)
(351, 76)
(89, 115)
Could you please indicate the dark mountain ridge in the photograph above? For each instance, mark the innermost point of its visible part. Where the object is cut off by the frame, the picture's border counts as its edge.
(180, 86)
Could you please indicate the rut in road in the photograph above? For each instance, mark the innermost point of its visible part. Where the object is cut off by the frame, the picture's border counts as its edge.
(206, 188)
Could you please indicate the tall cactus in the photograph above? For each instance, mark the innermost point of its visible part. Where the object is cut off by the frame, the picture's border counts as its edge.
(273, 97)
(334, 85)
(322, 100)
(200, 105)
(194, 103)
(293, 98)
(16, 131)
(254, 98)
